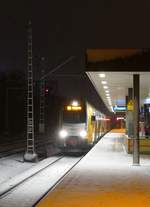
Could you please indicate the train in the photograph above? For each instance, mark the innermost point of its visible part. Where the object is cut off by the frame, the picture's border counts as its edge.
(81, 126)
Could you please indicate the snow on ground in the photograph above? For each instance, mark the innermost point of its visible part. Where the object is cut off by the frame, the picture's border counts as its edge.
(19, 178)
(27, 194)
(13, 165)
(104, 178)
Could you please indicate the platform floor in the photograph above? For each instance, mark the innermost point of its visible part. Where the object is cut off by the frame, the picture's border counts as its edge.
(104, 178)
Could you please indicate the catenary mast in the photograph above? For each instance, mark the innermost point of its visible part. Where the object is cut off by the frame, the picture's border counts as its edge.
(30, 154)
(42, 98)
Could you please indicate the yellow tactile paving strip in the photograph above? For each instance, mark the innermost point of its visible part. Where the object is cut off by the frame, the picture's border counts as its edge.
(118, 130)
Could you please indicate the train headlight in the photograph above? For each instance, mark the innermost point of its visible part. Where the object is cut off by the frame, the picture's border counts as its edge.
(63, 133)
(83, 134)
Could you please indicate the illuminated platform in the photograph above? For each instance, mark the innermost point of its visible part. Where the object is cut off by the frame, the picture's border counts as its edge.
(105, 177)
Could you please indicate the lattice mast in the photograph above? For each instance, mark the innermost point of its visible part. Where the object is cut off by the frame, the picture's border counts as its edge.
(42, 98)
(30, 154)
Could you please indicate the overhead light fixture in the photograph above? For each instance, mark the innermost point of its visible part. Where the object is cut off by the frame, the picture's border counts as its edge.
(104, 82)
(102, 75)
(105, 87)
(107, 94)
(107, 91)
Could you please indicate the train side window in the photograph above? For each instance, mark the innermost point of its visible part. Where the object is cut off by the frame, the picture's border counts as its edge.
(93, 118)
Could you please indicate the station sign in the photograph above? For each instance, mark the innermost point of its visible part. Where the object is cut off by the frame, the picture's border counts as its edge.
(119, 108)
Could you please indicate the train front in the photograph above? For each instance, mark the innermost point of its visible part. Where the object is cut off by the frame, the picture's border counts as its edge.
(73, 130)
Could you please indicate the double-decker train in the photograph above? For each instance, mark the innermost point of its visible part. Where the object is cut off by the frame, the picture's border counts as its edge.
(81, 125)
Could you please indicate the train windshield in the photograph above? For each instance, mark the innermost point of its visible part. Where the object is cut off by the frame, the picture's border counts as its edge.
(74, 117)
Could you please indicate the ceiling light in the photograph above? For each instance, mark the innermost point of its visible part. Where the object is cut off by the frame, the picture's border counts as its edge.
(105, 87)
(107, 91)
(104, 82)
(107, 94)
(102, 75)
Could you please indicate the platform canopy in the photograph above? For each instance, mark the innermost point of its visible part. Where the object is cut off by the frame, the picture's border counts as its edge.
(111, 72)
(99, 55)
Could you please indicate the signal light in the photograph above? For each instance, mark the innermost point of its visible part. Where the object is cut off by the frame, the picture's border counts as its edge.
(46, 90)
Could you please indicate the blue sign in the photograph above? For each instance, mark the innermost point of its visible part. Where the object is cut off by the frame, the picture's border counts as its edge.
(119, 108)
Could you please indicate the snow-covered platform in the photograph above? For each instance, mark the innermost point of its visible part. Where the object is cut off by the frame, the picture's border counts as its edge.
(105, 177)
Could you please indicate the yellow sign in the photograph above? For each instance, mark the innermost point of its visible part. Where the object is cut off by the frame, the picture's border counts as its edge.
(130, 105)
(74, 108)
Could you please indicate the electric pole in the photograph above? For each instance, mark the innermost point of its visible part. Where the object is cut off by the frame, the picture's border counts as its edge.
(30, 154)
(42, 98)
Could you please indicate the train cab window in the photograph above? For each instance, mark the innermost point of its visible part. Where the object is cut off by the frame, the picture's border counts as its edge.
(74, 117)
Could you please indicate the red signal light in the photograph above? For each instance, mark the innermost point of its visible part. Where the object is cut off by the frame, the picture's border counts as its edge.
(46, 90)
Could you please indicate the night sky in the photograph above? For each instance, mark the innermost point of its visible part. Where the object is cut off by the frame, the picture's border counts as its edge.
(65, 28)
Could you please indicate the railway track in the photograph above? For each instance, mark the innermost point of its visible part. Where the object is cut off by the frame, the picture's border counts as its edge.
(10, 186)
(40, 181)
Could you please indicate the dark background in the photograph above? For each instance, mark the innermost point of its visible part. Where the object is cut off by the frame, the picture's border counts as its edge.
(61, 29)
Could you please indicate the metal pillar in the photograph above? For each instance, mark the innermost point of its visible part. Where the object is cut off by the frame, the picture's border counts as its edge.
(42, 99)
(130, 94)
(30, 154)
(136, 95)
(127, 98)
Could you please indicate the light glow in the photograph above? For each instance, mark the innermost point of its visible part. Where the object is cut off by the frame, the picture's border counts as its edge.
(102, 75)
(63, 133)
(68, 108)
(120, 118)
(74, 108)
(108, 95)
(104, 82)
(105, 87)
(83, 133)
(147, 100)
(75, 103)
(105, 119)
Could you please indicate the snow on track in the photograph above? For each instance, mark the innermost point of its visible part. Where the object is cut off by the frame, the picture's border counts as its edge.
(27, 193)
